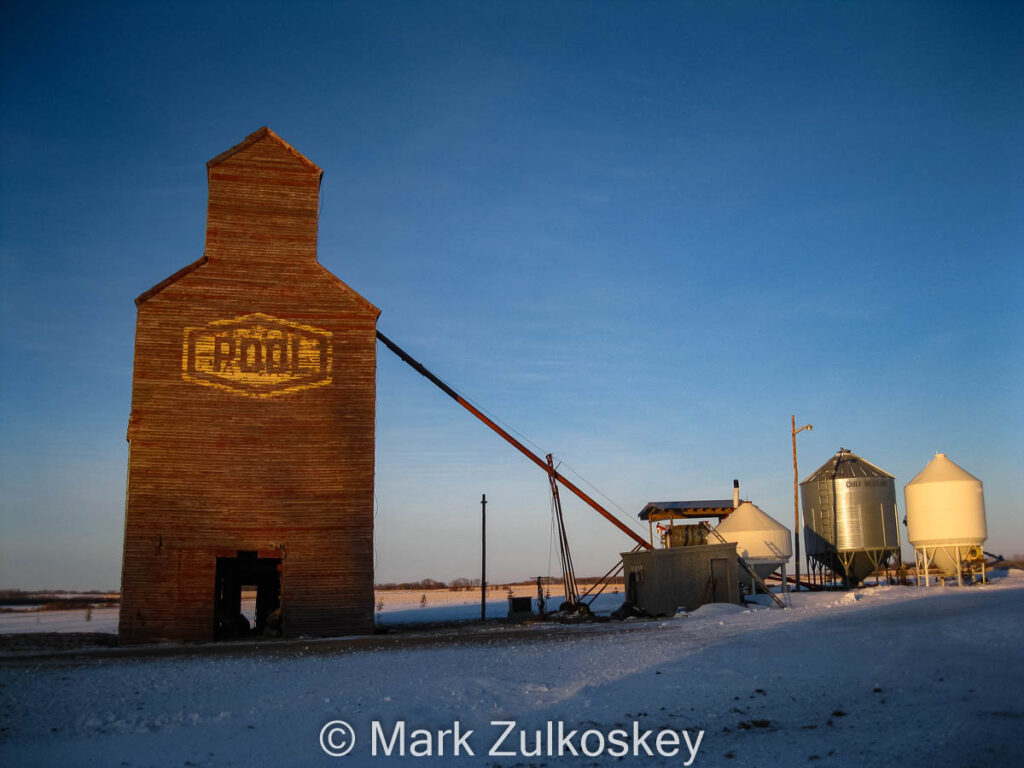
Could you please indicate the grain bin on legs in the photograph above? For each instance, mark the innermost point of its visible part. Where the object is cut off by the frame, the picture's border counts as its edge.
(763, 542)
(849, 518)
(946, 521)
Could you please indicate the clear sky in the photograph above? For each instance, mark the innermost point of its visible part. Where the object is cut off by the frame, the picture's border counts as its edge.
(642, 234)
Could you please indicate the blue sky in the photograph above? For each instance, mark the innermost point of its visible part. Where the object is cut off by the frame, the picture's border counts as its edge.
(642, 234)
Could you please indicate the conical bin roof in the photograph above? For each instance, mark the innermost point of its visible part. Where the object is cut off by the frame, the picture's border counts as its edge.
(757, 535)
(942, 469)
(845, 464)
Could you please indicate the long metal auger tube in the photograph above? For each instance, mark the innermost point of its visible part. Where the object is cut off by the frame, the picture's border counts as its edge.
(419, 368)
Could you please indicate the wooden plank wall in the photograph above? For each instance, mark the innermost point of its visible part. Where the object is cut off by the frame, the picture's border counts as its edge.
(227, 468)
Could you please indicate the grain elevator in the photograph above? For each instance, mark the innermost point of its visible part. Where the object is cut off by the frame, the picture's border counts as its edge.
(251, 461)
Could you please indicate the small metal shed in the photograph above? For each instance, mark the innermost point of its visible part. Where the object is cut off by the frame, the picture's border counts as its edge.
(661, 581)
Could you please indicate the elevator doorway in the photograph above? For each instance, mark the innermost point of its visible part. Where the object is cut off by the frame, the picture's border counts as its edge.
(248, 571)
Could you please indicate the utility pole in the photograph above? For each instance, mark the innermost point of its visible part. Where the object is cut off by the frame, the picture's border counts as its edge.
(796, 497)
(483, 557)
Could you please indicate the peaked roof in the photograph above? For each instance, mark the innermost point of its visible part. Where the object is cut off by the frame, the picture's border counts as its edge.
(145, 295)
(846, 465)
(248, 141)
(259, 135)
(750, 517)
(943, 470)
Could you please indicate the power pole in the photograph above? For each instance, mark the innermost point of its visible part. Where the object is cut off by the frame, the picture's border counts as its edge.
(796, 497)
(483, 557)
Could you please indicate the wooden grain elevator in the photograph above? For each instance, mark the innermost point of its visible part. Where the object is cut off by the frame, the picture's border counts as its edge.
(251, 461)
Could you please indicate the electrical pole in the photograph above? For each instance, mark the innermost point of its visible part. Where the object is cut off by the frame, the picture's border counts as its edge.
(483, 557)
(796, 498)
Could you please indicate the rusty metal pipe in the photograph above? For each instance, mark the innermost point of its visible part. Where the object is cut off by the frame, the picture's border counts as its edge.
(422, 370)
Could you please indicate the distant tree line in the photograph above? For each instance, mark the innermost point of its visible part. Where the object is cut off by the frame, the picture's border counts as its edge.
(57, 600)
(422, 584)
(465, 583)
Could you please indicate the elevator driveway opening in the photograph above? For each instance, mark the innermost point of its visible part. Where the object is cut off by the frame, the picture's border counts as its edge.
(251, 572)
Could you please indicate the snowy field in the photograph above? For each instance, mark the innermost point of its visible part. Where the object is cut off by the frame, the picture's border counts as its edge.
(397, 607)
(75, 620)
(889, 676)
(404, 607)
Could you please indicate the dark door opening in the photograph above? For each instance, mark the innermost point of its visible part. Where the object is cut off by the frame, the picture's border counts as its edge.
(249, 571)
(719, 580)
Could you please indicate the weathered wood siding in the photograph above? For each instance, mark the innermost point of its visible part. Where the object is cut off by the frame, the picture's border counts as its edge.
(220, 460)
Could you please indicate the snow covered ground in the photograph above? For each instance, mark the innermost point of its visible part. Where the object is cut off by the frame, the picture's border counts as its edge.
(74, 620)
(397, 607)
(877, 677)
(404, 607)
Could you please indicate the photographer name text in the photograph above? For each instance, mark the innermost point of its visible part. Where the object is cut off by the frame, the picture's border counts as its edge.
(506, 739)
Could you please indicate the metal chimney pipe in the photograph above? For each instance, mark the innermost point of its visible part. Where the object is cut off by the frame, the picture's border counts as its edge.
(735, 493)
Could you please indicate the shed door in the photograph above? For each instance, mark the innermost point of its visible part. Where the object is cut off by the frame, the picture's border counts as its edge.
(719, 580)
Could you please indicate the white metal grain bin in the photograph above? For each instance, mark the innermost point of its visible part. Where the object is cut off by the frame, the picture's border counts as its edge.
(761, 540)
(945, 515)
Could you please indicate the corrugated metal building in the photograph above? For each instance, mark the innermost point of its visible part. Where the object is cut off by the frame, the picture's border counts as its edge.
(662, 581)
(849, 515)
(252, 423)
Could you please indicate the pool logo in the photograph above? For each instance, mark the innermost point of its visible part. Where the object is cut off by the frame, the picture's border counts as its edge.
(257, 355)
